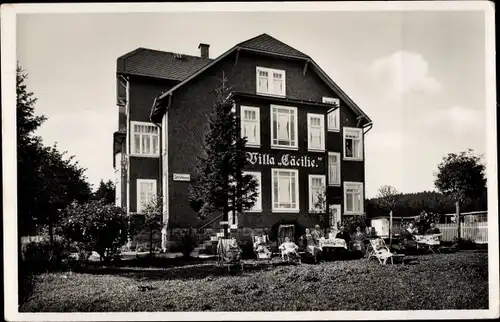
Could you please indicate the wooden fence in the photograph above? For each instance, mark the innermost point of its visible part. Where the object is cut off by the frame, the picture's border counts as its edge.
(477, 231)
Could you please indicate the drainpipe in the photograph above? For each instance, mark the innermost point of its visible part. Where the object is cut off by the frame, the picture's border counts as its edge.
(127, 152)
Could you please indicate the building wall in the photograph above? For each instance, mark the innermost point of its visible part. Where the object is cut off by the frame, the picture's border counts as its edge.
(187, 124)
(143, 92)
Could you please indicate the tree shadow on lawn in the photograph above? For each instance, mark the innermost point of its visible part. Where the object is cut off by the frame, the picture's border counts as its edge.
(207, 269)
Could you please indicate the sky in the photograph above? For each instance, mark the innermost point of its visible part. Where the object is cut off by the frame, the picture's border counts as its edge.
(420, 76)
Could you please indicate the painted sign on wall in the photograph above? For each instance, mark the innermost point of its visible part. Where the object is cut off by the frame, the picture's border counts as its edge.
(182, 177)
(286, 160)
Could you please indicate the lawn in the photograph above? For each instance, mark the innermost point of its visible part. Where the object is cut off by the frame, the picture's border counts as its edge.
(432, 282)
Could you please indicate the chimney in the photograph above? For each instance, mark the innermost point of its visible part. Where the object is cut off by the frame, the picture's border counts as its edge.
(203, 50)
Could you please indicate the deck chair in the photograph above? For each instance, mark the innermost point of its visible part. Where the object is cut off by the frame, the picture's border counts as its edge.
(227, 255)
(286, 231)
(379, 249)
(260, 248)
(283, 232)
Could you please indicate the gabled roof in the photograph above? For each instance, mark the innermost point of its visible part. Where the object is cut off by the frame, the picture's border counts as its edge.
(269, 44)
(159, 64)
(264, 43)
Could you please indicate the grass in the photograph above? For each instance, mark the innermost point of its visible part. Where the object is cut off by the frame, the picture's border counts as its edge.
(434, 282)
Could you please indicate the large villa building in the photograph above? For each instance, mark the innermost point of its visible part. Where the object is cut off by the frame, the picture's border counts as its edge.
(304, 134)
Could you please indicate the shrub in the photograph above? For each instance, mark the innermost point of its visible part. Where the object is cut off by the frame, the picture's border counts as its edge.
(96, 226)
(38, 256)
(187, 243)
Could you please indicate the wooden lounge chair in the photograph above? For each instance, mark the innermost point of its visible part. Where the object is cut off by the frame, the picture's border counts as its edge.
(379, 249)
(227, 255)
(259, 254)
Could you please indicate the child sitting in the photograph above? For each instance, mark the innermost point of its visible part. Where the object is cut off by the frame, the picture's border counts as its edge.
(261, 248)
(288, 249)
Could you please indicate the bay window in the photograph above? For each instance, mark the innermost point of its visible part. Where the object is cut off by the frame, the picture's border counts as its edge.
(284, 127)
(353, 198)
(285, 190)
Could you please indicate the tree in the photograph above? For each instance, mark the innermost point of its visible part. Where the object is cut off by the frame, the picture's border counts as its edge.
(96, 226)
(105, 191)
(461, 177)
(219, 184)
(388, 195)
(153, 219)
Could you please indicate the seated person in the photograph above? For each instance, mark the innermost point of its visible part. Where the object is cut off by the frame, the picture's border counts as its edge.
(317, 233)
(344, 234)
(288, 249)
(311, 244)
(432, 230)
(261, 247)
(233, 251)
(359, 238)
(412, 230)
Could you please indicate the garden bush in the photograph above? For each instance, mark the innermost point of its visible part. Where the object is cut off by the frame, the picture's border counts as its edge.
(39, 257)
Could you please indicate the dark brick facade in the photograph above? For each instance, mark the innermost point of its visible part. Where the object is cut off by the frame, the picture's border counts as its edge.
(187, 125)
(194, 101)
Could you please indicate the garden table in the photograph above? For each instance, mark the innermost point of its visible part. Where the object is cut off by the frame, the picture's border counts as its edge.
(332, 243)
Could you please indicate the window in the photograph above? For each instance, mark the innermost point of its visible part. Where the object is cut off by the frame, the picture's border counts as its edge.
(316, 192)
(353, 144)
(257, 207)
(316, 131)
(250, 125)
(353, 198)
(283, 126)
(270, 81)
(146, 192)
(145, 139)
(333, 168)
(285, 191)
(333, 115)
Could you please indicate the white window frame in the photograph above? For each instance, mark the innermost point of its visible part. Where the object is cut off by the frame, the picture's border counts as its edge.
(295, 144)
(335, 113)
(151, 135)
(330, 182)
(359, 186)
(312, 208)
(139, 205)
(360, 134)
(274, 198)
(322, 132)
(270, 83)
(257, 207)
(242, 121)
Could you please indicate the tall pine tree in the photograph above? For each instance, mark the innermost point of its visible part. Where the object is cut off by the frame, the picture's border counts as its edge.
(219, 184)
